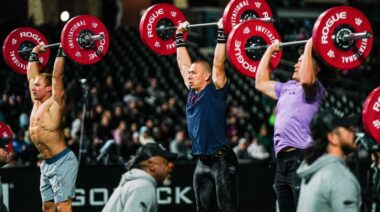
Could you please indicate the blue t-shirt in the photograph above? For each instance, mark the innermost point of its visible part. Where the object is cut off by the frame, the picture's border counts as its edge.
(294, 113)
(206, 119)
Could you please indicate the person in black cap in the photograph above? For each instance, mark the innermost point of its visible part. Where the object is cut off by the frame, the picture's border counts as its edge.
(5, 155)
(137, 188)
(4, 159)
(327, 182)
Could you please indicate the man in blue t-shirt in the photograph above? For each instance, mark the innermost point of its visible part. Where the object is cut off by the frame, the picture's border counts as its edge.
(215, 176)
(298, 101)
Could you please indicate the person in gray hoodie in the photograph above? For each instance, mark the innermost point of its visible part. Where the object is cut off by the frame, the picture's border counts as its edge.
(327, 183)
(137, 188)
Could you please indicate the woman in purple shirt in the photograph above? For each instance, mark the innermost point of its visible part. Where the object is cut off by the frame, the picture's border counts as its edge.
(297, 102)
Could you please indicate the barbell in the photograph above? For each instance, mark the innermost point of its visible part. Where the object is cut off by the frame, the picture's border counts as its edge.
(159, 22)
(190, 26)
(84, 39)
(342, 37)
(349, 37)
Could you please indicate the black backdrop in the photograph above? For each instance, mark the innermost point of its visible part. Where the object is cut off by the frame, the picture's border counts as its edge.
(95, 185)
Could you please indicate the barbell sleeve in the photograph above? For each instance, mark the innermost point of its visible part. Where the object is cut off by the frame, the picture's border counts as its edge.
(356, 36)
(93, 38)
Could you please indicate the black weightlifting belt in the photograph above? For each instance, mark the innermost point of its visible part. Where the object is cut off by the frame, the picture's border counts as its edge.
(222, 151)
(290, 152)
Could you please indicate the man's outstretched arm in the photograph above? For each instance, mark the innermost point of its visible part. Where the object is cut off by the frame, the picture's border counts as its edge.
(309, 70)
(183, 57)
(263, 81)
(218, 70)
(32, 69)
(58, 90)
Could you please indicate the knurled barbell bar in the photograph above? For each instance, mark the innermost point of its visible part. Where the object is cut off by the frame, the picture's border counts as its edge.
(346, 38)
(84, 39)
(342, 38)
(158, 24)
(190, 26)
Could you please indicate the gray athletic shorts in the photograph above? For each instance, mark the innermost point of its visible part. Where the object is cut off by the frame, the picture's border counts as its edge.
(58, 177)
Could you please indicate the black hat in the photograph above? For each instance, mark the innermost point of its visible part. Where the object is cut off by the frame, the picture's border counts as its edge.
(5, 141)
(150, 150)
(6, 135)
(328, 120)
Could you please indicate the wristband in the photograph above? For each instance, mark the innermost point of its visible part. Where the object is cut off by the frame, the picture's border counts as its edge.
(33, 57)
(179, 41)
(61, 53)
(221, 37)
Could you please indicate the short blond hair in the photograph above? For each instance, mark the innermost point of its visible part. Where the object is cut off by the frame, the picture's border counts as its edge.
(47, 78)
(206, 66)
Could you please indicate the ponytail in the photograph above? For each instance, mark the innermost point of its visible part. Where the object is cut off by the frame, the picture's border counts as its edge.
(317, 149)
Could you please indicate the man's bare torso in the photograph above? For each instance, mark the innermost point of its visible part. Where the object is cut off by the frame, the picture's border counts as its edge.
(44, 128)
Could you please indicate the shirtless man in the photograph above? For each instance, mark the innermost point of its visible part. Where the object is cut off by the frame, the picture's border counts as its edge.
(60, 166)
